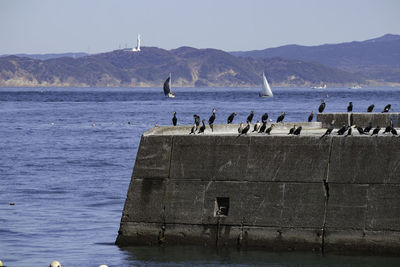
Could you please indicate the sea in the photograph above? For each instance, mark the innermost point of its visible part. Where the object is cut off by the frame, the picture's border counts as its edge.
(66, 159)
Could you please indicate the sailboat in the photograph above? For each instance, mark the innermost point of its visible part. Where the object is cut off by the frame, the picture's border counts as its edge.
(265, 89)
(167, 88)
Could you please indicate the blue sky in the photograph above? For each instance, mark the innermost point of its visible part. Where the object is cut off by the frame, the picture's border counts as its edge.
(55, 26)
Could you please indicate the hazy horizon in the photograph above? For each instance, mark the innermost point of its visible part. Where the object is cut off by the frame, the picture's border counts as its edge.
(46, 26)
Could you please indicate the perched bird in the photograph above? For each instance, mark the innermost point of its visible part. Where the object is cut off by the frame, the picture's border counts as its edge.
(359, 129)
(231, 117)
(370, 108)
(256, 126)
(350, 107)
(250, 117)
(376, 131)
(212, 119)
(388, 128)
(322, 106)
(193, 130)
(245, 129)
(387, 108)
(264, 117)
(329, 130)
(311, 117)
(263, 127)
(342, 130)
(349, 131)
(291, 131)
(202, 128)
(368, 128)
(196, 120)
(394, 132)
(174, 119)
(240, 129)
(268, 131)
(281, 117)
(297, 131)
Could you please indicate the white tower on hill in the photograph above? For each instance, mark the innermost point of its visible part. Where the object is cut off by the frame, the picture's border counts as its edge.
(137, 48)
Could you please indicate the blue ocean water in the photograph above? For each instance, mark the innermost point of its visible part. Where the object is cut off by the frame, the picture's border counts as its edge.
(66, 157)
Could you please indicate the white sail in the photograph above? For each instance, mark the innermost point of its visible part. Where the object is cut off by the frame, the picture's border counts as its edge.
(265, 90)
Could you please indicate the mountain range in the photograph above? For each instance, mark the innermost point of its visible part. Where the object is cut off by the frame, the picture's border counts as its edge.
(370, 62)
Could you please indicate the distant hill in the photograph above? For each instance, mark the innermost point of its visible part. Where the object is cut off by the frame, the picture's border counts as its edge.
(49, 56)
(377, 59)
(151, 66)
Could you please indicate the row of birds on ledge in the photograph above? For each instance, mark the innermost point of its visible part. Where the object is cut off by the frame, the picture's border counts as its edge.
(262, 127)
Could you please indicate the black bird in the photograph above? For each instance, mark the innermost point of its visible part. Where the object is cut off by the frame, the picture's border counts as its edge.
(268, 131)
(263, 127)
(322, 106)
(389, 127)
(342, 130)
(311, 116)
(240, 129)
(281, 117)
(230, 118)
(256, 126)
(202, 128)
(350, 107)
(330, 129)
(174, 119)
(245, 129)
(250, 117)
(387, 108)
(193, 130)
(264, 117)
(394, 132)
(298, 130)
(368, 128)
(196, 121)
(370, 108)
(212, 119)
(376, 131)
(291, 131)
(359, 129)
(349, 131)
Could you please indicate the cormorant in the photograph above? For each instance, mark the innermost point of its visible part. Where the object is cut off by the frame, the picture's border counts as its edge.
(368, 128)
(212, 119)
(359, 129)
(330, 129)
(370, 108)
(342, 130)
(240, 129)
(322, 106)
(311, 117)
(202, 128)
(196, 121)
(298, 130)
(264, 117)
(250, 117)
(193, 130)
(389, 127)
(281, 117)
(245, 129)
(230, 118)
(291, 131)
(263, 126)
(376, 130)
(350, 107)
(394, 132)
(268, 131)
(387, 108)
(256, 126)
(349, 131)
(174, 119)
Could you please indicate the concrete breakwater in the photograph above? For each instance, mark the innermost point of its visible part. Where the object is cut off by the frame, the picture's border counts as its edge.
(276, 192)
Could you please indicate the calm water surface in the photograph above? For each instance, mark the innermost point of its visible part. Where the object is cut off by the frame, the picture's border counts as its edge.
(66, 157)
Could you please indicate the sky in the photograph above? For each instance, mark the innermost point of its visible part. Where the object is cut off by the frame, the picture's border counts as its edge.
(93, 26)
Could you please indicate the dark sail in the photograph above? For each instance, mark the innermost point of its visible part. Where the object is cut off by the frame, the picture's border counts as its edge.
(167, 88)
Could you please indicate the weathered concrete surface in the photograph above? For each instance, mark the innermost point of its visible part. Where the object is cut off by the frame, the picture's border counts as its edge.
(360, 119)
(285, 192)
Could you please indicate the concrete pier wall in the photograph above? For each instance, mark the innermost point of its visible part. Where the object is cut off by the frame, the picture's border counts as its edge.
(276, 192)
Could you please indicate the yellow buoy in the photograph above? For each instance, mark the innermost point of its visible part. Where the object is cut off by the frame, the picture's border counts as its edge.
(55, 264)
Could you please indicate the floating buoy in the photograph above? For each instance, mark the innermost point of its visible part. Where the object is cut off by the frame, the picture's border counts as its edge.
(55, 264)
(327, 96)
(52, 123)
(12, 204)
(93, 124)
(1, 264)
(103, 265)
